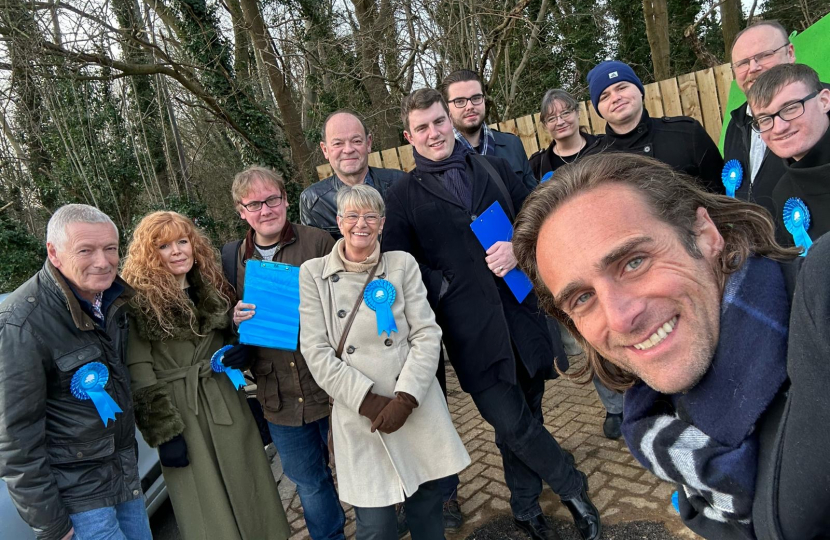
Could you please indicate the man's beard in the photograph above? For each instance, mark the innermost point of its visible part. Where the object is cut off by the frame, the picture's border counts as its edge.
(470, 130)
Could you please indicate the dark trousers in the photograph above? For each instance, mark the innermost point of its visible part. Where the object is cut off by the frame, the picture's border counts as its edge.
(529, 452)
(423, 514)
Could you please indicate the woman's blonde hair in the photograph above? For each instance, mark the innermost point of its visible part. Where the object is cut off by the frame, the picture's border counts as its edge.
(159, 295)
(360, 196)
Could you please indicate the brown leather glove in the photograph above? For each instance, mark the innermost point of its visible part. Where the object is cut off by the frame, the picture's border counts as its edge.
(393, 416)
(372, 405)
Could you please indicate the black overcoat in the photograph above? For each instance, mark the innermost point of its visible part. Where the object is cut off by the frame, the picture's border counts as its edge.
(476, 311)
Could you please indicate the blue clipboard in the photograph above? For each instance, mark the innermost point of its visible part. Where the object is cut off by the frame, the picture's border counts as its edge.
(274, 288)
(493, 226)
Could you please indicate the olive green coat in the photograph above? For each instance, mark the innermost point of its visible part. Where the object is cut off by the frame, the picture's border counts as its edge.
(228, 490)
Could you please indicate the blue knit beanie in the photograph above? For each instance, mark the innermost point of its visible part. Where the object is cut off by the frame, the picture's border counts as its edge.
(607, 73)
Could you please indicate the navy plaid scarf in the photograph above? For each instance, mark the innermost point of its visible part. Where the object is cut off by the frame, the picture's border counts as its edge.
(487, 143)
(452, 171)
(706, 439)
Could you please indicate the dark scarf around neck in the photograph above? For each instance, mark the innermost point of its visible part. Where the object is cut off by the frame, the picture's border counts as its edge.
(706, 439)
(454, 171)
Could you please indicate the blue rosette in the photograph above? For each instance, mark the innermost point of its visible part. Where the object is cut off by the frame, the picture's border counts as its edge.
(548, 175)
(88, 383)
(379, 296)
(732, 176)
(797, 222)
(236, 376)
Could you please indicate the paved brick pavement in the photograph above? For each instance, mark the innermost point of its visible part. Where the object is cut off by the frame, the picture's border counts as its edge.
(621, 489)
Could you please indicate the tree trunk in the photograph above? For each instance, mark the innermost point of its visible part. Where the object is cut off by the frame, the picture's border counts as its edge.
(283, 93)
(730, 16)
(657, 29)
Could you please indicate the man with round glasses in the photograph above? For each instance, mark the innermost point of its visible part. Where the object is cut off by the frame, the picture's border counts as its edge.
(295, 407)
(755, 49)
(790, 112)
(464, 93)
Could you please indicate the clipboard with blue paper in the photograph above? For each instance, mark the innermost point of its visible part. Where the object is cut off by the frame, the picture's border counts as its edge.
(493, 226)
(274, 288)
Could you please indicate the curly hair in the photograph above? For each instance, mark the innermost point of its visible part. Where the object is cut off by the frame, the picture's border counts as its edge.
(674, 198)
(159, 296)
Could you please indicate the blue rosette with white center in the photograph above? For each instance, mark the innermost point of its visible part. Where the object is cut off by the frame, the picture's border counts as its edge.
(732, 176)
(88, 383)
(797, 222)
(548, 176)
(379, 296)
(236, 376)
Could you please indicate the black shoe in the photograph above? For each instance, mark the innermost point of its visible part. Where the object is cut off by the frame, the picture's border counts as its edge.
(403, 526)
(585, 514)
(453, 518)
(537, 527)
(611, 426)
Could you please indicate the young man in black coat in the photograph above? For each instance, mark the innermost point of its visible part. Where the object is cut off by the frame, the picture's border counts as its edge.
(501, 349)
(679, 141)
(791, 109)
(682, 299)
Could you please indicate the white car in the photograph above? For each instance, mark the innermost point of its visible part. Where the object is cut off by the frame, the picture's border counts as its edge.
(12, 526)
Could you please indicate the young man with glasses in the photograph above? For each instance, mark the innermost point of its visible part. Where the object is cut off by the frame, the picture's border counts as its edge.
(679, 141)
(790, 112)
(346, 143)
(755, 50)
(464, 92)
(296, 408)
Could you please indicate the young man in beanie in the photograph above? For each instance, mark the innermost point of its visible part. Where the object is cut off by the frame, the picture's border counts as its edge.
(678, 141)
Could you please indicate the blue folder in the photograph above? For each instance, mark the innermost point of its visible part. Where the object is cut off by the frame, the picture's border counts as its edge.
(493, 226)
(274, 288)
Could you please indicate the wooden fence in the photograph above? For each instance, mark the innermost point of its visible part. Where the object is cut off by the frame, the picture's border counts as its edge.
(702, 95)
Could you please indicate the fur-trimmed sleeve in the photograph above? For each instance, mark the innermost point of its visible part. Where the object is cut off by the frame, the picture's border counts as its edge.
(155, 415)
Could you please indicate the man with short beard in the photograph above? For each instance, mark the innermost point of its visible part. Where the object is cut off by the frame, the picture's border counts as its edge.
(682, 299)
(464, 92)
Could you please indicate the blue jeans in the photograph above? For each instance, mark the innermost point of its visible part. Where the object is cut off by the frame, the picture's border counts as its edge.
(304, 454)
(125, 521)
(529, 452)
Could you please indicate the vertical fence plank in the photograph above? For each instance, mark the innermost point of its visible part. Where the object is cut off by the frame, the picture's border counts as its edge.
(723, 78)
(597, 122)
(494, 127)
(375, 161)
(390, 159)
(407, 157)
(584, 116)
(541, 132)
(527, 134)
(653, 100)
(709, 103)
(324, 171)
(509, 126)
(688, 96)
(671, 98)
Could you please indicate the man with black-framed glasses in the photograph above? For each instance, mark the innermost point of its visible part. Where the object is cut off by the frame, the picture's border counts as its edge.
(464, 93)
(790, 113)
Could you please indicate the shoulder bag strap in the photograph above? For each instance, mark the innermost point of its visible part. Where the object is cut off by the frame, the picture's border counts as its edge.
(350, 320)
(499, 183)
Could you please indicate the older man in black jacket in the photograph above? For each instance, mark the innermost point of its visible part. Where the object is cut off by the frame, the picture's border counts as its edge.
(67, 431)
(501, 348)
(346, 144)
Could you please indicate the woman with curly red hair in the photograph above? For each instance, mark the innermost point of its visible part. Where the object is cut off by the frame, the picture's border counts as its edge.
(217, 474)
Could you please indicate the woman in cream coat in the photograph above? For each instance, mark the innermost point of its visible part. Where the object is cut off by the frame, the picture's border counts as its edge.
(392, 433)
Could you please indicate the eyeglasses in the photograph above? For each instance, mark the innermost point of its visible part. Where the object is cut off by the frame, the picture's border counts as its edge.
(352, 218)
(564, 115)
(762, 58)
(787, 113)
(461, 102)
(255, 206)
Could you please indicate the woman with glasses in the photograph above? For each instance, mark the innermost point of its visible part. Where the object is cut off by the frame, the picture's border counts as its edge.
(371, 341)
(560, 116)
(217, 474)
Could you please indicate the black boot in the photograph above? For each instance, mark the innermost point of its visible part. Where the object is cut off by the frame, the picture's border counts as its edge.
(585, 514)
(537, 527)
(611, 426)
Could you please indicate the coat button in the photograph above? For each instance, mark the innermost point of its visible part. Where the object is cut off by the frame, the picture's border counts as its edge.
(79, 455)
(300, 400)
(647, 149)
(136, 492)
(291, 364)
(30, 299)
(341, 313)
(473, 217)
(335, 278)
(388, 342)
(350, 349)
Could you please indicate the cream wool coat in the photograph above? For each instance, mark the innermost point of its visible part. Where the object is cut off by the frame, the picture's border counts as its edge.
(375, 469)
